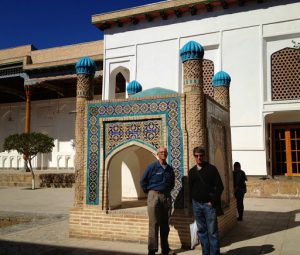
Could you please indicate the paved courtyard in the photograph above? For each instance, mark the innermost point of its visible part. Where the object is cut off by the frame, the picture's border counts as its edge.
(271, 226)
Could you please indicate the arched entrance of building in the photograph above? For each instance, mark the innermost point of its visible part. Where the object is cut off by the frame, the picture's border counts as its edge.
(125, 169)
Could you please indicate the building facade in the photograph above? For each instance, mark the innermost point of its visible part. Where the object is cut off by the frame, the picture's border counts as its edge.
(251, 40)
(38, 90)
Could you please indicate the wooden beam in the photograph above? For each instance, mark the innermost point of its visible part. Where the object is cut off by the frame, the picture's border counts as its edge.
(178, 13)
(149, 17)
(193, 10)
(163, 15)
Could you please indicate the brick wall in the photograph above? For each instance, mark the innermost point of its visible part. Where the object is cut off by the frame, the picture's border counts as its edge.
(128, 225)
(278, 186)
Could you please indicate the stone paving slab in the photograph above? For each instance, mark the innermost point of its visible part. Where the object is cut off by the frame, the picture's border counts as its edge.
(271, 226)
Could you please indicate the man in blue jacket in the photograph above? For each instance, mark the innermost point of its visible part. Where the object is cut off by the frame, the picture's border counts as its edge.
(158, 181)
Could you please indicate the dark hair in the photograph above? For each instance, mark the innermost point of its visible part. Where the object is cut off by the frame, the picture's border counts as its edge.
(237, 164)
(199, 149)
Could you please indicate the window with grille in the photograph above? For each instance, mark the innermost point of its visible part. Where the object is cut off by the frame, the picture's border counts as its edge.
(285, 72)
(208, 73)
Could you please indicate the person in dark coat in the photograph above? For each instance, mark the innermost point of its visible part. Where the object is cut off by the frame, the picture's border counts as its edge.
(158, 181)
(240, 188)
(206, 188)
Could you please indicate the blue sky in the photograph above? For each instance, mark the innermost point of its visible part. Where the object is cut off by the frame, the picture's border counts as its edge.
(51, 23)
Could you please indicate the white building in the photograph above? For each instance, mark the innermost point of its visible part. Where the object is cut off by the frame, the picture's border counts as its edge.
(250, 40)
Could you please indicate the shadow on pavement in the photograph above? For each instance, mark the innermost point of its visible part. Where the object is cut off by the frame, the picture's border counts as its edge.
(251, 250)
(20, 248)
(260, 223)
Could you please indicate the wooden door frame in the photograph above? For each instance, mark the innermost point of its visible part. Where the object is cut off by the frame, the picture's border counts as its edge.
(286, 127)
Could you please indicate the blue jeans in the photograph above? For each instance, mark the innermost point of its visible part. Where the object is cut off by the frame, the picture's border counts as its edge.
(207, 224)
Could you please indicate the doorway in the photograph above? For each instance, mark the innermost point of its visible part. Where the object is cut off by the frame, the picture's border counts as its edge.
(125, 170)
(286, 149)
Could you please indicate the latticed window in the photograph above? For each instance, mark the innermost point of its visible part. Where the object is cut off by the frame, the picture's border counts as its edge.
(208, 73)
(285, 72)
(11, 69)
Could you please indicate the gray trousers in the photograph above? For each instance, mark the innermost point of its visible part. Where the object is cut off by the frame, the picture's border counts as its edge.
(159, 207)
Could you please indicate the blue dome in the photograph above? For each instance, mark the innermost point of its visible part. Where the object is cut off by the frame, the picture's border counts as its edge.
(154, 92)
(134, 87)
(85, 65)
(221, 79)
(191, 50)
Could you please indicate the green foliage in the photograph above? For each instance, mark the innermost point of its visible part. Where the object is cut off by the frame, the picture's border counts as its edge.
(29, 144)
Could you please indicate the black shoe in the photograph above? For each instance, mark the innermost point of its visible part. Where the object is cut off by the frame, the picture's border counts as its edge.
(165, 252)
(168, 252)
(240, 219)
(151, 252)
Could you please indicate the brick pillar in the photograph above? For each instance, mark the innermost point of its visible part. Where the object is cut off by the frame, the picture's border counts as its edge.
(85, 69)
(192, 56)
(221, 95)
(221, 82)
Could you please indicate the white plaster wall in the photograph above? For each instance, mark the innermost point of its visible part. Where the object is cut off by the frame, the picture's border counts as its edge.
(253, 162)
(240, 57)
(162, 60)
(115, 182)
(239, 40)
(52, 117)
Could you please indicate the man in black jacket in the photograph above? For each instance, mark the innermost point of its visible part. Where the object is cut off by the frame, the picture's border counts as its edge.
(206, 188)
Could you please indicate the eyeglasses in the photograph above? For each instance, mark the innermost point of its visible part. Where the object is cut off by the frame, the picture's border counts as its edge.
(198, 155)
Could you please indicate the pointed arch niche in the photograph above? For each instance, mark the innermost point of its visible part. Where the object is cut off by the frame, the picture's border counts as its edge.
(125, 169)
(118, 80)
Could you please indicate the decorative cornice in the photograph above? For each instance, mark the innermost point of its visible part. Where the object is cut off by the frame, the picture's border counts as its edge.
(162, 10)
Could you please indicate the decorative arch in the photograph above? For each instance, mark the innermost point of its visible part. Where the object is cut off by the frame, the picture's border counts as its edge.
(123, 170)
(118, 79)
(141, 144)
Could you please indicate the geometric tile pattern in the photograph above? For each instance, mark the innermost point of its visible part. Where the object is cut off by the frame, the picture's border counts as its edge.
(285, 74)
(150, 134)
(117, 133)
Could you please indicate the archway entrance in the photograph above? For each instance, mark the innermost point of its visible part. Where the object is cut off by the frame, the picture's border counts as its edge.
(125, 170)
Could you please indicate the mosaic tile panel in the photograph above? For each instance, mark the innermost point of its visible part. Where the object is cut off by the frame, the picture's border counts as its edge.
(117, 133)
(168, 107)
